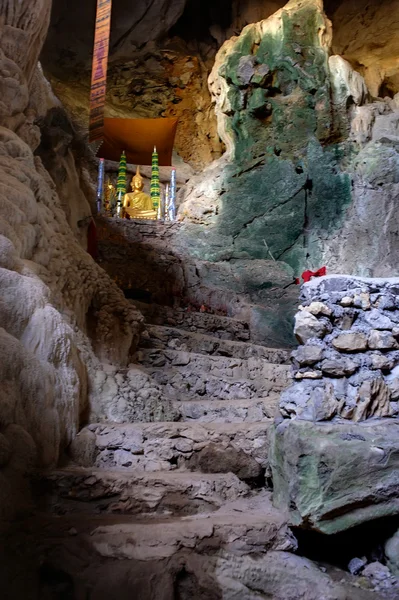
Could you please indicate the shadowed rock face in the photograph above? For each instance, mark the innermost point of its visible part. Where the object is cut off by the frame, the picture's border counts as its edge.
(54, 298)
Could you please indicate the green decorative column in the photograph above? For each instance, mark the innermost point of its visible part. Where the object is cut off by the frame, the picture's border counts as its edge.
(121, 183)
(155, 187)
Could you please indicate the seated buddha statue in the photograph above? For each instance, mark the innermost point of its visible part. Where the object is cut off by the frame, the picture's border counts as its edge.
(137, 204)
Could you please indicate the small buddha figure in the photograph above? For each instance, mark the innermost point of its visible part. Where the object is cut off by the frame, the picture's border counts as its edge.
(109, 198)
(137, 204)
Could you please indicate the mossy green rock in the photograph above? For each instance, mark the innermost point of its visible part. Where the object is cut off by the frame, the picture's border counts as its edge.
(284, 192)
(334, 476)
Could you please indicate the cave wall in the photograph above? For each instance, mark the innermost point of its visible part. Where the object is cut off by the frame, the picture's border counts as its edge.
(151, 73)
(308, 163)
(162, 53)
(62, 320)
(311, 163)
(365, 34)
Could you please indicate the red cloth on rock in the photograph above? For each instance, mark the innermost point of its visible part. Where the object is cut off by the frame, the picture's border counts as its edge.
(307, 275)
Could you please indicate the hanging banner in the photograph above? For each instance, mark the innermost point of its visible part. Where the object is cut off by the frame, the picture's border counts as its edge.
(99, 70)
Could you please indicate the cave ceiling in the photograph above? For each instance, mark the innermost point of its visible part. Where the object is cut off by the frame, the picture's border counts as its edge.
(161, 53)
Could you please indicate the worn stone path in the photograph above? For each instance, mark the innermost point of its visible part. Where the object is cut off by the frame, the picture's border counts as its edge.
(169, 510)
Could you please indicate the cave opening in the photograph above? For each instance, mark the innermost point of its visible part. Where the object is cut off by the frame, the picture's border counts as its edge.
(199, 17)
(388, 88)
(365, 541)
(138, 294)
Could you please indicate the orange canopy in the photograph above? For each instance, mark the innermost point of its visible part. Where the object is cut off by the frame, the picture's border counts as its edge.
(137, 137)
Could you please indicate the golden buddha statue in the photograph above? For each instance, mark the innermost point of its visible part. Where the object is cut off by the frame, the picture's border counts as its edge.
(137, 204)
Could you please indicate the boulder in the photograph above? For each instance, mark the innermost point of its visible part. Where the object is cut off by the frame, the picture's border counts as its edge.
(334, 476)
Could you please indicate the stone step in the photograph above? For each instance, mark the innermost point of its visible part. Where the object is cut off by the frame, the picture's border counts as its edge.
(240, 448)
(252, 367)
(226, 328)
(186, 375)
(244, 526)
(98, 491)
(255, 410)
(160, 337)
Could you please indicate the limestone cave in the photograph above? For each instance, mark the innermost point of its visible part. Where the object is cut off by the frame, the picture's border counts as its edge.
(199, 300)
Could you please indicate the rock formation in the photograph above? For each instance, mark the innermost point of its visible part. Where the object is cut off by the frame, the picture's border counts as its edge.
(330, 455)
(305, 143)
(66, 327)
(170, 463)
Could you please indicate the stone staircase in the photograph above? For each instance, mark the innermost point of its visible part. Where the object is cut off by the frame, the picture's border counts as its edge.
(146, 492)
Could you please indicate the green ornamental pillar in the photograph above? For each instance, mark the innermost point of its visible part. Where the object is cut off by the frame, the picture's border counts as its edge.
(121, 183)
(155, 187)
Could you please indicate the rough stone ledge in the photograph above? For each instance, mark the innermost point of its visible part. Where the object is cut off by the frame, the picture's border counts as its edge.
(188, 341)
(97, 491)
(241, 448)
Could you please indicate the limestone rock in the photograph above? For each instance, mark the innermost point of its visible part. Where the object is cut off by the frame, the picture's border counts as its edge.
(309, 401)
(346, 301)
(332, 477)
(382, 340)
(356, 565)
(308, 327)
(372, 399)
(61, 315)
(338, 367)
(392, 553)
(307, 374)
(346, 83)
(307, 355)
(362, 300)
(381, 361)
(392, 381)
(350, 342)
(318, 308)
(377, 572)
(359, 27)
(82, 449)
(377, 320)
(213, 459)
(281, 576)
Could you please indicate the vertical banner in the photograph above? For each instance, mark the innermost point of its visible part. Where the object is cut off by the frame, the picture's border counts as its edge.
(99, 70)
(100, 185)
